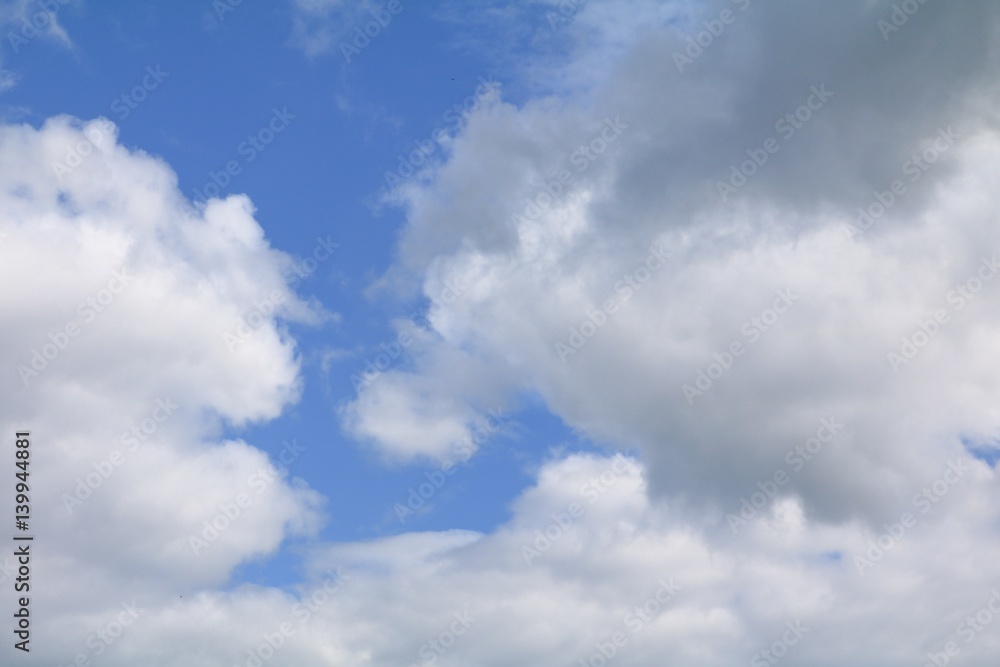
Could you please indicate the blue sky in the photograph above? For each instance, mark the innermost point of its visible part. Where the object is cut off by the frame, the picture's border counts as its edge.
(561, 320)
(319, 178)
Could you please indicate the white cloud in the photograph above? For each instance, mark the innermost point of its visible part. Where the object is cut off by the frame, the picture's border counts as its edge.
(318, 24)
(124, 292)
(669, 583)
(7, 80)
(532, 275)
(845, 549)
(28, 19)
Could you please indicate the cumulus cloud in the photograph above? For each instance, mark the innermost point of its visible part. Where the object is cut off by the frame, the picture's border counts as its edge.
(589, 567)
(122, 297)
(801, 381)
(586, 555)
(745, 170)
